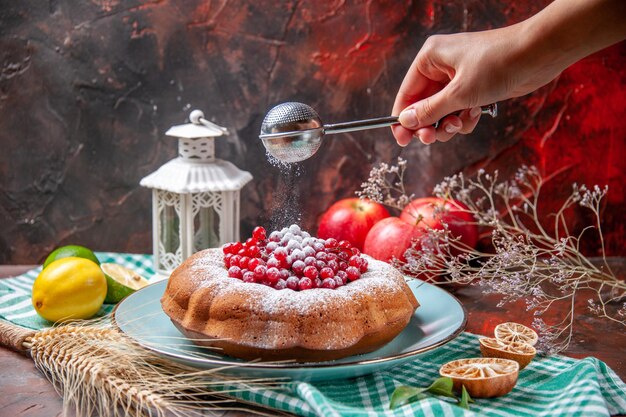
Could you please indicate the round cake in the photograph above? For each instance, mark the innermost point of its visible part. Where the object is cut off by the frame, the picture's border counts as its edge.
(254, 321)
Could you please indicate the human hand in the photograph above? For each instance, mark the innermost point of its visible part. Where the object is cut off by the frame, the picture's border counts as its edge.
(453, 75)
(461, 72)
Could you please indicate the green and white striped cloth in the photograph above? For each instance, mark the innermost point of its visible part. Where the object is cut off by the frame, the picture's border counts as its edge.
(552, 386)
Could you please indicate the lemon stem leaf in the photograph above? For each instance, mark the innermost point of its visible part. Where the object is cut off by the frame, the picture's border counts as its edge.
(465, 399)
(442, 386)
(405, 395)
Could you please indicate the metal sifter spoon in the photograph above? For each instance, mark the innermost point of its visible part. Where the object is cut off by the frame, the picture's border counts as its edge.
(293, 132)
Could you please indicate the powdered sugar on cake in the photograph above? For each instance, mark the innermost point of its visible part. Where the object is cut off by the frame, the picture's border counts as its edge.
(288, 295)
(207, 269)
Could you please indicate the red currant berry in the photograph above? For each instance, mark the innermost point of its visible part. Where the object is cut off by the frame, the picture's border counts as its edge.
(334, 265)
(273, 275)
(309, 260)
(237, 246)
(343, 265)
(363, 266)
(311, 272)
(297, 255)
(273, 263)
(331, 256)
(327, 273)
(281, 284)
(248, 276)
(355, 251)
(343, 276)
(305, 284)
(284, 274)
(253, 263)
(286, 263)
(353, 273)
(338, 281)
(298, 267)
(275, 236)
(243, 263)
(321, 256)
(329, 283)
(227, 259)
(250, 242)
(234, 272)
(317, 283)
(330, 243)
(292, 283)
(344, 244)
(308, 251)
(227, 248)
(235, 260)
(355, 260)
(260, 272)
(280, 253)
(253, 251)
(259, 233)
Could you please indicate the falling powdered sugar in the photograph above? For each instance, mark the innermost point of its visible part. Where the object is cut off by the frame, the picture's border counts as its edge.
(286, 208)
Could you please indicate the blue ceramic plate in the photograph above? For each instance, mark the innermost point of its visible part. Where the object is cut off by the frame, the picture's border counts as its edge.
(439, 319)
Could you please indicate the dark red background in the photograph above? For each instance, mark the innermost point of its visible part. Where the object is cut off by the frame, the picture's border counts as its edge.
(88, 88)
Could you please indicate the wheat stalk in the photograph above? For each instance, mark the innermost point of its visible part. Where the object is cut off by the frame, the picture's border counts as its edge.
(100, 371)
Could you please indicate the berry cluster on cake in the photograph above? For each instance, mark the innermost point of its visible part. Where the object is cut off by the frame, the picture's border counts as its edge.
(291, 258)
(288, 295)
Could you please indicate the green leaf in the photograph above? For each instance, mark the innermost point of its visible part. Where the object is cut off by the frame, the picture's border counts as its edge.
(465, 399)
(404, 395)
(442, 386)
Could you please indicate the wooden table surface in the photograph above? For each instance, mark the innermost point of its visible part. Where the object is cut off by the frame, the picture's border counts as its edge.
(24, 392)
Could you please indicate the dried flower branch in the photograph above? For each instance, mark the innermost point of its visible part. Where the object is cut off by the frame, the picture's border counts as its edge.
(386, 185)
(530, 261)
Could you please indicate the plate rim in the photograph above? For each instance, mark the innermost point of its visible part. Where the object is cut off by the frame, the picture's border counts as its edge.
(296, 366)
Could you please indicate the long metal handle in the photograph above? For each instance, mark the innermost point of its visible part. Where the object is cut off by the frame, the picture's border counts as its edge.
(361, 125)
(491, 109)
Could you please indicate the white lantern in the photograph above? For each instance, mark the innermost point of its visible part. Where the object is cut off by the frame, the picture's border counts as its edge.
(195, 197)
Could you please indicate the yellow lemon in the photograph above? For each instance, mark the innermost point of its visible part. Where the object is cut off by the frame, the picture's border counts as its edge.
(69, 288)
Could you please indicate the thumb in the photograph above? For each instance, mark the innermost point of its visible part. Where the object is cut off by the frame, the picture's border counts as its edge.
(429, 110)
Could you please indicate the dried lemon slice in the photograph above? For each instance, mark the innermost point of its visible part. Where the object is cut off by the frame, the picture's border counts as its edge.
(515, 332)
(520, 352)
(482, 377)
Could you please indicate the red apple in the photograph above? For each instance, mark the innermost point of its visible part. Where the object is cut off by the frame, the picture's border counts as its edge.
(433, 212)
(390, 238)
(350, 219)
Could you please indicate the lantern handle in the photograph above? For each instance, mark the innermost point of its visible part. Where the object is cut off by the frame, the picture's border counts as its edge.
(197, 117)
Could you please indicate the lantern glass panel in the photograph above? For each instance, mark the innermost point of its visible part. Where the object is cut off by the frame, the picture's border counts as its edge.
(206, 211)
(169, 218)
(169, 233)
(206, 228)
